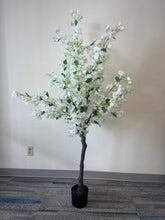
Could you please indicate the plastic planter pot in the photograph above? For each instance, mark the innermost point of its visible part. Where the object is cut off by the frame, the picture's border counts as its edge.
(79, 200)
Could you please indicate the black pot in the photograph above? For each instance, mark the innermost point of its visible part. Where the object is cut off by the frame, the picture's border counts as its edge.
(79, 200)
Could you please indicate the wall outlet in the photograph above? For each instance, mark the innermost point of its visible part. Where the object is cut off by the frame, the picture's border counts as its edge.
(30, 150)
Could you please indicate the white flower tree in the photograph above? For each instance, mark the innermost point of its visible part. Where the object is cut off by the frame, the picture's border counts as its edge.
(82, 98)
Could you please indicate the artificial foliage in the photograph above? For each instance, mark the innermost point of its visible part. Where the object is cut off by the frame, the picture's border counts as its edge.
(82, 98)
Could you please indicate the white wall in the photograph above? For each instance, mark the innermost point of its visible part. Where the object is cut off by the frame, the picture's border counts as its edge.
(135, 143)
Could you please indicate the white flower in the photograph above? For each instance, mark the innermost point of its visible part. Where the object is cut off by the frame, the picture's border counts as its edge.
(107, 28)
(109, 46)
(96, 49)
(57, 30)
(121, 73)
(14, 94)
(120, 26)
(129, 80)
(82, 98)
(96, 56)
(57, 38)
(119, 90)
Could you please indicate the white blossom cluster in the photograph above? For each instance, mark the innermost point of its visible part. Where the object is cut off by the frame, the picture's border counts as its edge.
(82, 99)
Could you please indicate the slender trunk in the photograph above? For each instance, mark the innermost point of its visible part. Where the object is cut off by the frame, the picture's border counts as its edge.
(81, 175)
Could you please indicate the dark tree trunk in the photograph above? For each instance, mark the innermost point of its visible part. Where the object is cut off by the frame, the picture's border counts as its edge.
(81, 175)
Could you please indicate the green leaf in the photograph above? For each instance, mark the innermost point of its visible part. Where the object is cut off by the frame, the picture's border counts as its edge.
(86, 121)
(76, 62)
(99, 62)
(69, 101)
(84, 108)
(47, 94)
(75, 22)
(87, 97)
(89, 80)
(104, 49)
(65, 62)
(43, 112)
(114, 114)
(50, 104)
(63, 75)
(104, 109)
(87, 72)
(95, 112)
(117, 79)
(107, 101)
(74, 72)
(91, 89)
(92, 43)
(41, 98)
(27, 94)
(96, 122)
(66, 109)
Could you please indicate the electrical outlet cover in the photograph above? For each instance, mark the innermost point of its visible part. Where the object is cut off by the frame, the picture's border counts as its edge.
(30, 151)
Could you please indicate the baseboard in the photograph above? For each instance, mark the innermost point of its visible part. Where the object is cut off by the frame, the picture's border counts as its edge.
(87, 174)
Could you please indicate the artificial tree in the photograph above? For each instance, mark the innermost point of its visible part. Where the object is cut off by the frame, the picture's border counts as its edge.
(82, 99)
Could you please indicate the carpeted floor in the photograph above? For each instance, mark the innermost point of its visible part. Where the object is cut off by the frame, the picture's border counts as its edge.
(49, 198)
